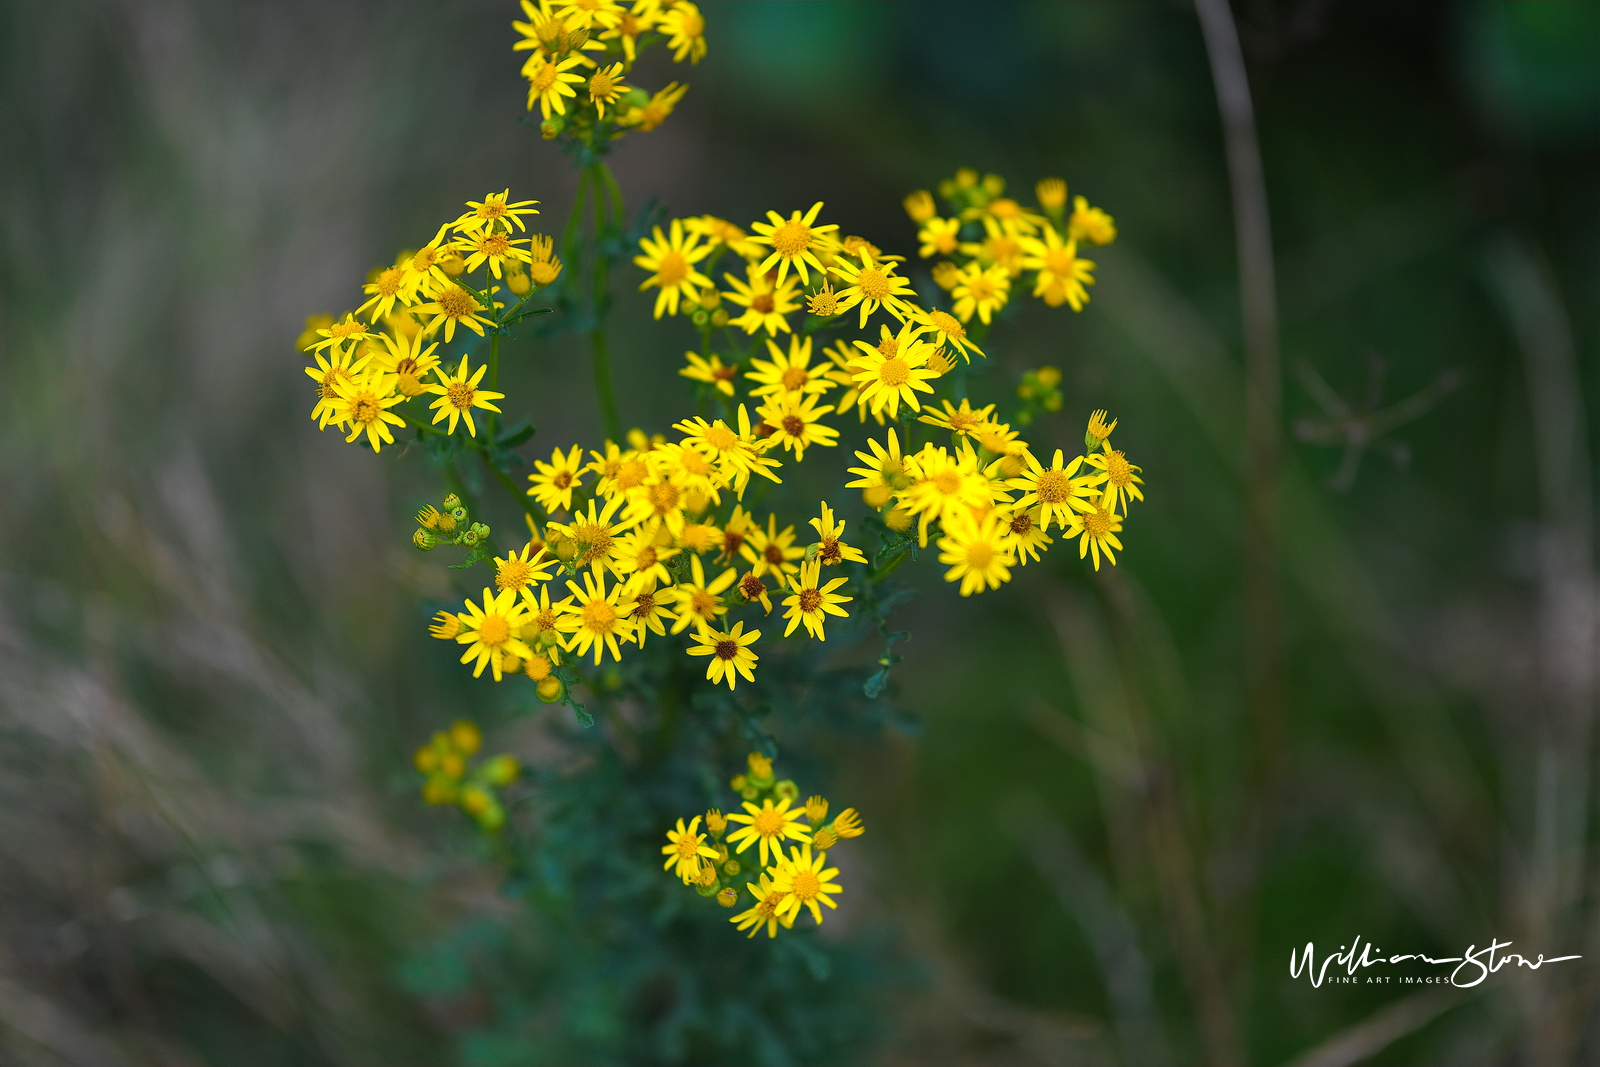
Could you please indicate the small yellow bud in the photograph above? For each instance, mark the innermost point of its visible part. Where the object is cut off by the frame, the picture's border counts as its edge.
(465, 737)
(722, 852)
(749, 792)
(848, 824)
(439, 791)
(1099, 429)
(518, 283)
(545, 272)
(946, 274)
(716, 823)
(919, 205)
(1049, 376)
(453, 265)
(993, 184)
(1052, 193)
(549, 689)
(707, 875)
(474, 801)
(728, 897)
(425, 540)
(551, 128)
(822, 841)
(452, 766)
(502, 770)
(710, 298)
(786, 790)
(899, 520)
(538, 668)
(760, 766)
(732, 867)
(737, 783)
(426, 759)
(719, 318)
(876, 496)
(966, 178)
(817, 810)
(940, 362)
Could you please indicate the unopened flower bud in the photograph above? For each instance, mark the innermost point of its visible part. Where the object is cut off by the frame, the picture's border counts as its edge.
(699, 318)
(719, 318)
(518, 284)
(731, 867)
(425, 540)
(549, 689)
(822, 841)
(481, 530)
(1052, 193)
(919, 205)
(426, 759)
(551, 128)
(502, 770)
(716, 823)
(1049, 376)
(760, 767)
(707, 875)
(728, 897)
(469, 538)
(816, 810)
(848, 824)
(457, 512)
(538, 668)
(876, 496)
(439, 791)
(737, 783)
(465, 737)
(451, 502)
(786, 790)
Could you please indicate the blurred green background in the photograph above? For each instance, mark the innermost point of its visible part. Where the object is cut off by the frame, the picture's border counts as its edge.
(213, 666)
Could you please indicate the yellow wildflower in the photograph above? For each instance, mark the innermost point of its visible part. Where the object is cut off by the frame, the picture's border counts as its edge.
(671, 260)
(979, 553)
(684, 848)
(1090, 223)
(872, 284)
(765, 910)
(804, 882)
(812, 602)
(595, 617)
(1023, 535)
(493, 630)
(958, 420)
(829, 533)
(554, 482)
(1056, 492)
(699, 603)
(549, 83)
(519, 571)
(938, 237)
(451, 305)
(771, 552)
(768, 825)
(919, 205)
(685, 29)
(1051, 193)
(795, 240)
(1062, 276)
(710, 370)
(766, 301)
(789, 373)
(730, 653)
(1117, 473)
(495, 208)
(795, 422)
(982, 290)
(1096, 531)
(459, 393)
(605, 86)
(363, 403)
(894, 370)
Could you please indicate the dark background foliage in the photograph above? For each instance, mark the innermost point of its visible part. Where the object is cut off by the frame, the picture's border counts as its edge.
(213, 666)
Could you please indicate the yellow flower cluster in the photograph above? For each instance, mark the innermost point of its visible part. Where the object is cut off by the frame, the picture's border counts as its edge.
(362, 375)
(558, 36)
(648, 536)
(787, 881)
(988, 240)
(449, 780)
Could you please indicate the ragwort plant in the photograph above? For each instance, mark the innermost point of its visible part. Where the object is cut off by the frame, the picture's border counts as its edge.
(648, 555)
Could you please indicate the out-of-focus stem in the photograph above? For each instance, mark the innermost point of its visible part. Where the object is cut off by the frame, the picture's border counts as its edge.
(605, 207)
(1263, 390)
(494, 374)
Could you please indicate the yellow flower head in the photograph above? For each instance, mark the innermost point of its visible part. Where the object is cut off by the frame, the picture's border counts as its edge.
(1057, 493)
(795, 240)
(1099, 429)
(766, 299)
(730, 653)
(1062, 275)
(363, 404)
(962, 421)
(699, 602)
(1121, 481)
(495, 210)
(445, 626)
(671, 260)
(549, 83)
(710, 370)
(768, 825)
(919, 205)
(1024, 537)
(894, 370)
(796, 422)
(847, 824)
(596, 617)
(554, 482)
(789, 373)
(1051, 193)
(812, 601)
(685, 28)
(805, 882)
(833, 550)
(493, 631)
(1090, 224)
(459, 393)
(605, 86)
(1096, 531)
(407, 360)
(979, 553)
(452, 305)
(684, 848)
(980, 290)
(592, 535)
(518, 571)
(872, 283)
(343, 367)
(771, 552)
(765, 911)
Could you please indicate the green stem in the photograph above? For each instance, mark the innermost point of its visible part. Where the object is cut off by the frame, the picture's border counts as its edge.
(494, 374)
(511, 488)
(602, 381)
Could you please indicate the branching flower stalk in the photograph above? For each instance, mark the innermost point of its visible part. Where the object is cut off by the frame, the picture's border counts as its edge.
(654, 563)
